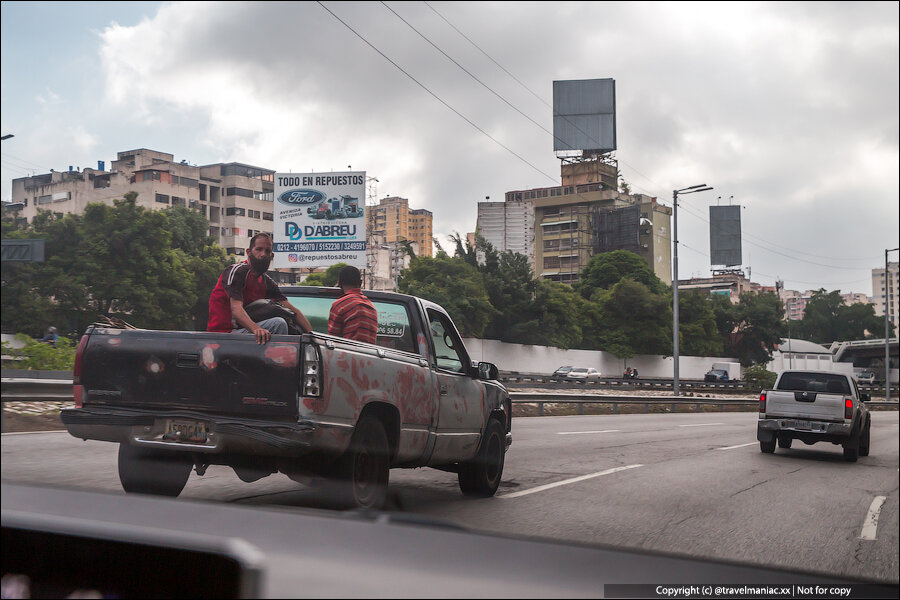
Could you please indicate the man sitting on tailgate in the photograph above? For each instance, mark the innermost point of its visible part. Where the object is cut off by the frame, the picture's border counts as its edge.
(243, 283)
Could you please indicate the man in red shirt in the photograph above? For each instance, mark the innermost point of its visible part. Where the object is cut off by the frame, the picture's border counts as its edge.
(353, 316)
(243, 283)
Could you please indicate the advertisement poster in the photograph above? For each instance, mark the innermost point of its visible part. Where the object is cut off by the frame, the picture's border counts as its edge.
(320, 219)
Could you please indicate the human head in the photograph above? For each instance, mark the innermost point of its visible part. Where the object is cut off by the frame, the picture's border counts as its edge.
(259, 254)
(349, 278)
(52, 329)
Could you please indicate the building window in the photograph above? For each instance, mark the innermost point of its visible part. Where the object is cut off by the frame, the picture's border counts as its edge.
(45, 199)
(268, 216)
(235, 211)
(176, 201)
(162, 198)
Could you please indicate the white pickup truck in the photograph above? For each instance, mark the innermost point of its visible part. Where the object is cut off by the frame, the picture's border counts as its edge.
(814, 406)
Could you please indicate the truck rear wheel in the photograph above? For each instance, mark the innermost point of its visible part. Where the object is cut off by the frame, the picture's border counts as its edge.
(146, 471)
(361, 475)
(767, 447)
(865, 439)
(784, 441)
(481, 476)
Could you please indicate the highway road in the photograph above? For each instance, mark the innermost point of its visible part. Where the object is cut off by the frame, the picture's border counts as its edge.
(693, 484)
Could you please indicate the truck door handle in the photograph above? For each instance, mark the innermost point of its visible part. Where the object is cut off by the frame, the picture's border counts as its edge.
(443, 390)
(183, 359)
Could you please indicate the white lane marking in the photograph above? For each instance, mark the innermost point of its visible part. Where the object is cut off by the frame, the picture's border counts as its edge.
(871, 522)
(33, 432)
(541, 488)
(701, 424)
(738, 446)
(577, 432)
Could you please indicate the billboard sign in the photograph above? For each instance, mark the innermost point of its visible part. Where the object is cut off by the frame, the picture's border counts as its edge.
(584, 115)
(320, 219)
(725, 235)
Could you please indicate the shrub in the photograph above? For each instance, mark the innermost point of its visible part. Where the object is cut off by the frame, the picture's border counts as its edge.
(40, 356)
(758, 378)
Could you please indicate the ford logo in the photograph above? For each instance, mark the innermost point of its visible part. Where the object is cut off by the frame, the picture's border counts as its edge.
(295, 197)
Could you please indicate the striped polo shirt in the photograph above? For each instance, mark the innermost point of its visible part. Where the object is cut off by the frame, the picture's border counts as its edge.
(354, 317)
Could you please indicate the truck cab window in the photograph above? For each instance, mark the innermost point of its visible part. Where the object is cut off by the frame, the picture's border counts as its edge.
(447, 345)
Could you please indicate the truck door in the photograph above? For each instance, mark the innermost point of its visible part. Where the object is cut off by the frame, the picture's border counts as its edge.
(461, 402)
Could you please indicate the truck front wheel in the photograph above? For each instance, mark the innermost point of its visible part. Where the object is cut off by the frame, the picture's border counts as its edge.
(145, 471)
(362, 473)
(481, 476)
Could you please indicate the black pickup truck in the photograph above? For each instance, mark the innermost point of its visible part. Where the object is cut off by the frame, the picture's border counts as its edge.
(312, 406)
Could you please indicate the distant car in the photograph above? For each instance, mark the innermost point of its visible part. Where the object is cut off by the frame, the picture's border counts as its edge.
(867, 377)
(561, 372)
(716, 375)
(583, 373)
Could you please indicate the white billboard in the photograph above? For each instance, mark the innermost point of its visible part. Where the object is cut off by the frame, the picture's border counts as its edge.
(320, 219)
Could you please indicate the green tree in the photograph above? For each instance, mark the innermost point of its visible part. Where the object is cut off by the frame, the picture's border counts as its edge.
(552, 318)
(827, 319)
(454, 284)
(758, 328)
(326, 278)
(698, 334)
(607, 269)
(634, 320)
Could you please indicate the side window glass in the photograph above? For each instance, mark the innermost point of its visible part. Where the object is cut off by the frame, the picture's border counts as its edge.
(393, 327)
(447, 345)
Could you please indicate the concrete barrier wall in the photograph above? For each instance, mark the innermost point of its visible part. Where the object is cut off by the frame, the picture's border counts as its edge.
(543, 359)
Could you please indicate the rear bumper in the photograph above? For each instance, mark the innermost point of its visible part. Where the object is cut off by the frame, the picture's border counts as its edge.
(806, 426)
(226, 434)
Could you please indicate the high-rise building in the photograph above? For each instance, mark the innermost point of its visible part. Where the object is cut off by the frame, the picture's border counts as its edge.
(508, 226)
(885, 289)
(236, 198)
(393, 219)
(587, 215)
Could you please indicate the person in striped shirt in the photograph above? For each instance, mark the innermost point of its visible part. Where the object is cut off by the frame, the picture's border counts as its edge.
(353, 316)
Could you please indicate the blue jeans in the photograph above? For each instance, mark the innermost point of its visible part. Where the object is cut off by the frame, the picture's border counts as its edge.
(276, 325)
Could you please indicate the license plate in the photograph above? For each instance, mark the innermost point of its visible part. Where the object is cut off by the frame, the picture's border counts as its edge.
(193, 432)
(807, 425)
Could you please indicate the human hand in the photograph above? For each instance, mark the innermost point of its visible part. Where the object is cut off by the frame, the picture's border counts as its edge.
(262, 335)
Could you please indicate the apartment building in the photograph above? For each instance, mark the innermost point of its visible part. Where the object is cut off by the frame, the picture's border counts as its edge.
(885, 287)
(508, 226)
(395, 221)
(236, 198)
(587, 215)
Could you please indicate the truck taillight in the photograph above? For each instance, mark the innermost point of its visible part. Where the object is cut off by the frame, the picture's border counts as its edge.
(312, 368)
(76, 373)
(848, 408)
(762, 402)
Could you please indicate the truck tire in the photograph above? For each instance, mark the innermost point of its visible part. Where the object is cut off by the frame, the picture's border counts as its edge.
(865, 440)
(145, 471)
(784, 441)
(361, 475)
(767, 447)
(480, 477)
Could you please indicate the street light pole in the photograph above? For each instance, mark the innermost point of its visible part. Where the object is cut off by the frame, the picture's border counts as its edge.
(688, 190)
(887, 330)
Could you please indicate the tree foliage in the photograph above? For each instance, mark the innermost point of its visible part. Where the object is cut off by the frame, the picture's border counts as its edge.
(827, 319)
(609, 268)
(758, 328)
(154, 269)
(327, 278)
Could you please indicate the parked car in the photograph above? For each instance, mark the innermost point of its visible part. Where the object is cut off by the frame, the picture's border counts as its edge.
(584, 373)
(561, 372)
(716, 375)
(867, 377)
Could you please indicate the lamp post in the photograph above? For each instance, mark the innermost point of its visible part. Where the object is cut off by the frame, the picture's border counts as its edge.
(887, 330)
(688, 190)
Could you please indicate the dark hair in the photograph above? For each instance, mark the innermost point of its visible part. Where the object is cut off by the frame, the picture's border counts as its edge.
(349, 276)
(258, 235)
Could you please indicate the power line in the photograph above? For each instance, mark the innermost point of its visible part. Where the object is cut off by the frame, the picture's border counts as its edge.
(435, 96)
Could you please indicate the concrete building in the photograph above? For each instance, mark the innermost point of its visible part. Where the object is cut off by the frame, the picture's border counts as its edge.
(236, 198)
(587, 215)
(855, 298)
(385, 260)
(508, 226)
(730, 285)
(884, 288)
(393, 219)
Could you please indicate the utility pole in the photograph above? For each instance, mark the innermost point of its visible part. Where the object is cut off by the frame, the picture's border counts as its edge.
(688, 190)
(887, 330)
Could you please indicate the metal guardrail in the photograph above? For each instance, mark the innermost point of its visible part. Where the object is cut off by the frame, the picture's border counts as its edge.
(17, 389)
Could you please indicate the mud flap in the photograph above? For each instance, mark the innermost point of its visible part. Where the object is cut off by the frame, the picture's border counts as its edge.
(765, 435)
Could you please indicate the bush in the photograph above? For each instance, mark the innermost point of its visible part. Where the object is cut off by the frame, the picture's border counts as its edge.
(40, 356)
(757, 378)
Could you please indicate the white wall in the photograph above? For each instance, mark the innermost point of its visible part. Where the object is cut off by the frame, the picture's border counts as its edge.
(543, 359)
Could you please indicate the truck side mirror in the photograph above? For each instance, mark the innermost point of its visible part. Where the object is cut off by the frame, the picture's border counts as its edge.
(865, 397)
(488, 371)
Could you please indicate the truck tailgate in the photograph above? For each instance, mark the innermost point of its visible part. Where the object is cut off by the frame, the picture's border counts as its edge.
(219, 373)
(807, 405)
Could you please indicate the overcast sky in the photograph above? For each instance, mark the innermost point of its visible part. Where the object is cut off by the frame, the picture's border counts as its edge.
(791, 109)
